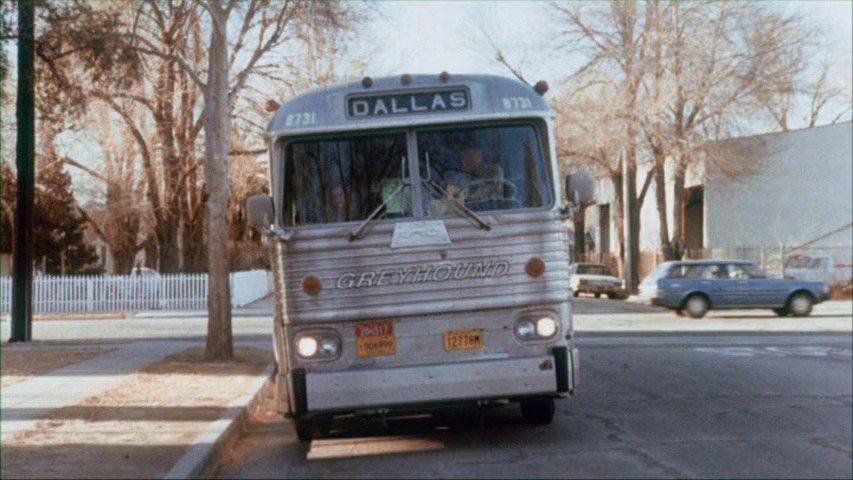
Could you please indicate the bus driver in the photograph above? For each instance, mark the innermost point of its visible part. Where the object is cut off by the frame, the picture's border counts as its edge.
(476, 181)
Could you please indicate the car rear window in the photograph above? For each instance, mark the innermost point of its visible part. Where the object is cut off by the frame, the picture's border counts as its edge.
(660, 272)
(594, 270)
(684, 271)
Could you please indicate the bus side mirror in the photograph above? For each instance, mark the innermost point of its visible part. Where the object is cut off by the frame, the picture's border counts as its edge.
(261, 211)
(580, 188)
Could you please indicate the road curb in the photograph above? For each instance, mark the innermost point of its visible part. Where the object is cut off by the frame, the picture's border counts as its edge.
(201, 458)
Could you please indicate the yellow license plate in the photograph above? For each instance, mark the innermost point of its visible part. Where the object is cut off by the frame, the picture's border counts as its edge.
(373, 339)
(375, 346)
(463, 339)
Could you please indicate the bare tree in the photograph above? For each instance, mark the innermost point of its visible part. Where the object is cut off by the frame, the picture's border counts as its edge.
(120, 220)
(166, 96)
(615, 39)
(591, 134)
(823, 94)
(806, 91)
(714, 59)
(261, 27)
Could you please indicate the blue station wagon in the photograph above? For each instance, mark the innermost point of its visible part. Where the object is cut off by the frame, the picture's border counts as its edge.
(694, 287)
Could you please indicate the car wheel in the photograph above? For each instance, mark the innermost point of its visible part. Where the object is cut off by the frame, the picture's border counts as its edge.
(539, 411)
(612, 296)
(597, 295)
(576, 293)
(696, 306)
(800, 305)
(782, 312)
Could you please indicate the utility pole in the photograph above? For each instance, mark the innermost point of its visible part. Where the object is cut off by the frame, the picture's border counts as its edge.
(22, 270)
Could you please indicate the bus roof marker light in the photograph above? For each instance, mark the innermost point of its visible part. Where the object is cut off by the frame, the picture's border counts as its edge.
(406, 79)
(541, 87)
(444, 76)
(272, 106)
(366, 82)
(535, 267)
(312, 285)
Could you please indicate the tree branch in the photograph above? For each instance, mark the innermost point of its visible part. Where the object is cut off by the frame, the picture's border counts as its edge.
(94, 173)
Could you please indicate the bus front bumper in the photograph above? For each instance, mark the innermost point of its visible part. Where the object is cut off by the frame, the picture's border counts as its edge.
(414, 385)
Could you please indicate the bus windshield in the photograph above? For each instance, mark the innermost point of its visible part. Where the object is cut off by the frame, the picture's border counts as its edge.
(342, 180)
(346, 179)
(486, 168)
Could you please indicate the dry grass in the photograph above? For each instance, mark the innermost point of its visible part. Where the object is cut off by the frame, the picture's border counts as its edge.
(139, 428)
(19, 364)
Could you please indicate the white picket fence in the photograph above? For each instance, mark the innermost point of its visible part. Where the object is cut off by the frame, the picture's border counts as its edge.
(123, 293)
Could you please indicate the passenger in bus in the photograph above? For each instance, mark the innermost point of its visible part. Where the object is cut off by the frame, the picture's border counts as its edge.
(477, 181)
(336, 209)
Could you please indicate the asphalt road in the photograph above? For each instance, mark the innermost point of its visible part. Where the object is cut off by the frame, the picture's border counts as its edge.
(663, 405)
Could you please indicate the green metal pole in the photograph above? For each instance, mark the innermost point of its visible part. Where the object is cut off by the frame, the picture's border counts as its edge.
(22, 270)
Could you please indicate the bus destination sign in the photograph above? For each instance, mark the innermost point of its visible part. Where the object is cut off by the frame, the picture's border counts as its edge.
(370, 106)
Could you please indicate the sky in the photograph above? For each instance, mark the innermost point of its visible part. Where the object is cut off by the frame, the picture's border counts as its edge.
(432, 36)
(436, 36)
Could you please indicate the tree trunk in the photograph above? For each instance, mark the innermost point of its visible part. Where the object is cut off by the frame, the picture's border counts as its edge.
(660, 201)
(217, 142)
(152, 254)
(167, 230)
(195, 253)
(634, 243)
(616, 180)
(122, 261)
(677, 242)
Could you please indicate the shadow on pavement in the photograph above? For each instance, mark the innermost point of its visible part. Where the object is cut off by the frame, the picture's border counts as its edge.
(107, 413)
(89, 460)
(589, 305)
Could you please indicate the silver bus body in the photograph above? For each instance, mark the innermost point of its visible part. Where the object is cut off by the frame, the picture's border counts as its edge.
(419, 278)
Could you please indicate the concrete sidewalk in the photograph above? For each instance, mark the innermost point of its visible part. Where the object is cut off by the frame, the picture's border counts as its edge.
(832, 316)
(83, 397)
(23, 404)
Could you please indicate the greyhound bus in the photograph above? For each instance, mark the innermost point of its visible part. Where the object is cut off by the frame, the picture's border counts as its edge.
(420, 249)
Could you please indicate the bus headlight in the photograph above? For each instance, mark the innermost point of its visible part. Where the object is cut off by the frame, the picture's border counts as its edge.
(536, 328)
(525, 329)
(306, 347)
(318, 345)
(546, 327)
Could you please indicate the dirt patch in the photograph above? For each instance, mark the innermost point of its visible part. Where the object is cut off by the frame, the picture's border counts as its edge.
(841, 292)
(19, 364)
(139, 428)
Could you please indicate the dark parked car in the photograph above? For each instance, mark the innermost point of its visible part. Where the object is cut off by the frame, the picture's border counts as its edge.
(694, 287)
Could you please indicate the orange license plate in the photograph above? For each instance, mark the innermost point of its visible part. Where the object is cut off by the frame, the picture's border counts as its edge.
(373, 339)
(463, 339)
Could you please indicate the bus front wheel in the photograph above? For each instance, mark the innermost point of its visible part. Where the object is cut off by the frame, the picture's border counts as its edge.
(538, 411)
(308, 429)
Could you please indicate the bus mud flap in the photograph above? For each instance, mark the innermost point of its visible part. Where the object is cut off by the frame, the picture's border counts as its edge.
(561, 360)
(300, 392)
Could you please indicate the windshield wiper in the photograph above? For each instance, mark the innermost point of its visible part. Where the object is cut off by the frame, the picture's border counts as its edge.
(357, 232)
(457, 205)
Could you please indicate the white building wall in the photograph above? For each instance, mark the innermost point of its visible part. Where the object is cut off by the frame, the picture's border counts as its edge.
(649, 224)
(805, 190)
(802, 192)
